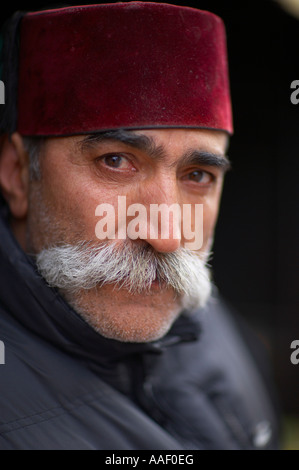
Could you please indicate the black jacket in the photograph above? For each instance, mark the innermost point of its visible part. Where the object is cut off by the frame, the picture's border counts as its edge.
(63, 386)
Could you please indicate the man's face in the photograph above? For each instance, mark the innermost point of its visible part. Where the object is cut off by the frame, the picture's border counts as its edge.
(171, 166)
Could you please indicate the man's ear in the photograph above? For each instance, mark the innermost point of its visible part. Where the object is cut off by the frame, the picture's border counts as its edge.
(14, 175)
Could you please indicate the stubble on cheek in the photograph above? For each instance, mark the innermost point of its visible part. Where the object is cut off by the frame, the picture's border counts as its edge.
(47, 224)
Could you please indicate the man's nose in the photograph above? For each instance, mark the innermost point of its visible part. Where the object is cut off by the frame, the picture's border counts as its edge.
(162, 200)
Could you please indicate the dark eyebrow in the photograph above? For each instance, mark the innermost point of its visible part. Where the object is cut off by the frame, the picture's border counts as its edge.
(139, 141)
(198, 157)
(147, 144)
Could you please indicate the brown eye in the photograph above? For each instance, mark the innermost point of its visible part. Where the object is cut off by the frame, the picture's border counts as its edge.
(199, 176)
(114, 161)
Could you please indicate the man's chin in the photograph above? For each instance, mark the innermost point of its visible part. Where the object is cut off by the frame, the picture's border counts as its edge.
(137, 318)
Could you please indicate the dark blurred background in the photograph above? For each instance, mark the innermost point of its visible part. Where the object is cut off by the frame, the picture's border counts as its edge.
(256, 246)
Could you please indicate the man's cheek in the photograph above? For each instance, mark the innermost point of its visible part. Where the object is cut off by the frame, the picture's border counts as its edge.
(209, 222)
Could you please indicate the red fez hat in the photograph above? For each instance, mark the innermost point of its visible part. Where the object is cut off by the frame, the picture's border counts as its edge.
(130, 65)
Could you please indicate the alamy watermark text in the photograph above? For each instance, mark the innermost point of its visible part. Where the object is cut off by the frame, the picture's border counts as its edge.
(295, 354)
(2, 353)
(158, 221)
(2, 92)
(295, 94)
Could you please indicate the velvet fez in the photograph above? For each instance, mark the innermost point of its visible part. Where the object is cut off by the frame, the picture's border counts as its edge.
(125, 65)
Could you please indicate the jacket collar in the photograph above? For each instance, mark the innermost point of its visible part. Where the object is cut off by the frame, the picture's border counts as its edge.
(26, 296)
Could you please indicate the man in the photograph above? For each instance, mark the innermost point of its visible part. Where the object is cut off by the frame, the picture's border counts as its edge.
(112, 163)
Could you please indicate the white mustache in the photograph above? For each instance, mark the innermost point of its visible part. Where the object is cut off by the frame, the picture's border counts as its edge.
(127, 265)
